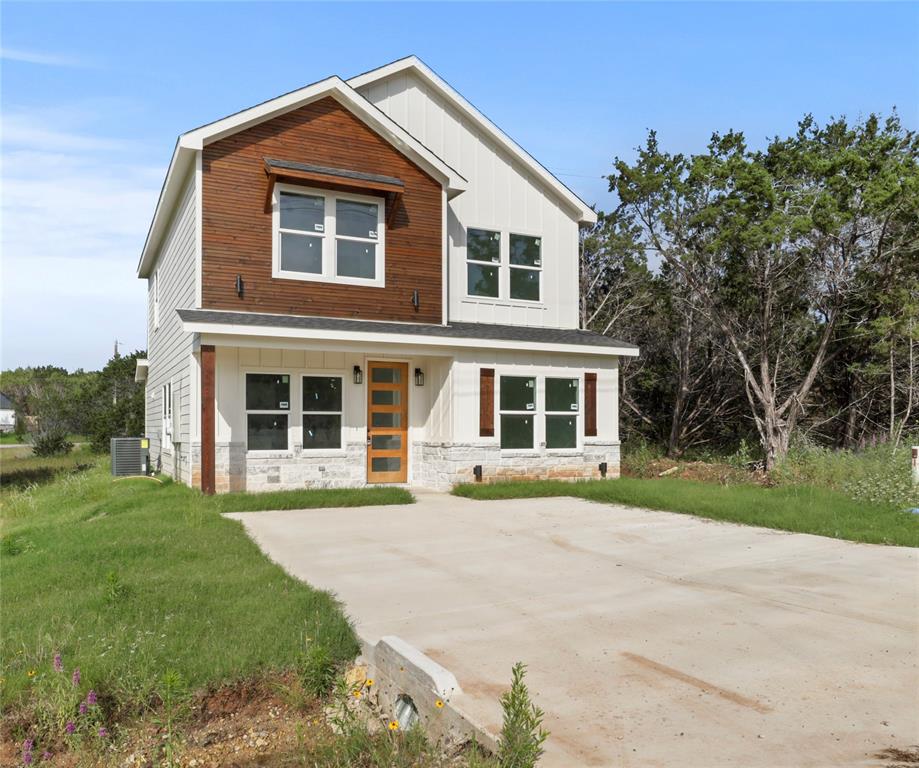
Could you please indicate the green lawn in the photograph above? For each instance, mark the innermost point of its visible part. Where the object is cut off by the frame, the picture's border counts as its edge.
(798, 508)
(134, 578)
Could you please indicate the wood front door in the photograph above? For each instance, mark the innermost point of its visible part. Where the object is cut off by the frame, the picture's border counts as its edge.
(387, 423)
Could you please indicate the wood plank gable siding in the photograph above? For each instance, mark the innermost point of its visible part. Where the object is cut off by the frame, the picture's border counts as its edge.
(236, 230)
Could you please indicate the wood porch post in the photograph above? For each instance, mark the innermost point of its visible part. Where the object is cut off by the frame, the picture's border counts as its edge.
(208, 417)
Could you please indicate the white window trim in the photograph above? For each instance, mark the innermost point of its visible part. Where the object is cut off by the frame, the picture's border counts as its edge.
(535, 413)
(329, 237)
(267, 452)
(511, 267)
(504, 269)
(166, 418)
(578, 429)
(495, 264)
(156, 299)
(319, 452)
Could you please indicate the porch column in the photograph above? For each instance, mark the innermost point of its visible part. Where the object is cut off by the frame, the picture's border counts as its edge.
(208, 417)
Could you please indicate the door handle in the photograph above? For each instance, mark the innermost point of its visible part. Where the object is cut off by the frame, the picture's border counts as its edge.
(368, 438)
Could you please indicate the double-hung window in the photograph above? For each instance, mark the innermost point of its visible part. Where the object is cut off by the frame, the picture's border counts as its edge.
(166, 432)
(518, 412)
(328, 236)
(267, 409)
(525, 267)
(483, 262)
(321, 412)
(561, 413)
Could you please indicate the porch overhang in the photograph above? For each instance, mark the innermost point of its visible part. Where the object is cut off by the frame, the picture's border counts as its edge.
(252, 325)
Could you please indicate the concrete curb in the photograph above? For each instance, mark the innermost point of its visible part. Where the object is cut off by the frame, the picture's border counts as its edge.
(399, 669)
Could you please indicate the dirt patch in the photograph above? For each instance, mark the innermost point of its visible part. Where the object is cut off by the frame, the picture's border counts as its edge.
(702, 471)
(899, 758)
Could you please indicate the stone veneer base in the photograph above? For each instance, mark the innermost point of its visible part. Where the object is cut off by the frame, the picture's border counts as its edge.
(438, 466)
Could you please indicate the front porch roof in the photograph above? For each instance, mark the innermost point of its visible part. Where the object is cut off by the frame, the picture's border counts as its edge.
(570, 340)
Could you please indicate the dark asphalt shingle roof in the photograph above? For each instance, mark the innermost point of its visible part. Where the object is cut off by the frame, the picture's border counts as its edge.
(5, 403)
(483, 331)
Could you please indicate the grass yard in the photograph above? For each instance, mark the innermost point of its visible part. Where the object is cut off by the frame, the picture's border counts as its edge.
(131, 580)
(797, 508)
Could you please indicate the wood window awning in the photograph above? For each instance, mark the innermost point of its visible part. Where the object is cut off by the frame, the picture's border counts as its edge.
(388, 186)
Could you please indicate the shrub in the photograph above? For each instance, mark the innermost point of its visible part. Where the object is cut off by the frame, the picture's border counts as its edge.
(317, 670)
(522, 735)
(51, 442)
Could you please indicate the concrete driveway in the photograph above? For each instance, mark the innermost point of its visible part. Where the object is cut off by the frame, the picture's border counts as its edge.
(652, 639)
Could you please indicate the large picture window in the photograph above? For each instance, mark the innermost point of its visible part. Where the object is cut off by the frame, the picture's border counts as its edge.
(518, 412)
(562, 413)
(322, 412)
(328, 236)
(267, 411)
(483, 261)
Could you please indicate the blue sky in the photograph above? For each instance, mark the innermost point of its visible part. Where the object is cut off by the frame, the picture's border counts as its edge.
(94, 95)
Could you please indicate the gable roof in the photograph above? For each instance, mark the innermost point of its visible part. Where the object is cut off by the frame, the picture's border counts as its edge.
(192, 142)
(5, 403)
(415, 65)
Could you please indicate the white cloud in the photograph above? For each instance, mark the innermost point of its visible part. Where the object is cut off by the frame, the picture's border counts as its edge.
(37, 57)
(75, 209)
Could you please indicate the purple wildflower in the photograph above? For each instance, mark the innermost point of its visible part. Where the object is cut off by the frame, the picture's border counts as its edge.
(103, 733)
(91, 698)
(27, 745)
(46, 756)
(26, 758)
(70, 727)
(83, 708)
(76, 677)
(58, 663)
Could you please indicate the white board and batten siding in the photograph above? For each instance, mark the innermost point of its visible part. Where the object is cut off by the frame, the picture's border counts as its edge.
(502, 195)
(169, 348)
(540, 365)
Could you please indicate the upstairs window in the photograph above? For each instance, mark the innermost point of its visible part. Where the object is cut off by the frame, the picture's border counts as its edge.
(526, 267)
(483, 260)
(328, 236)
(503, 265)
(267, 408)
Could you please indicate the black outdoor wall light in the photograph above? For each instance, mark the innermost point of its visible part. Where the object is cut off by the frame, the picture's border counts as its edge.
(419, 377)
(358, 375)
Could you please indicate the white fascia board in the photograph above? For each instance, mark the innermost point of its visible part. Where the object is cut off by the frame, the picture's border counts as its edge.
(586, 214)
(402, 339)
(182, 160)
(193, 142)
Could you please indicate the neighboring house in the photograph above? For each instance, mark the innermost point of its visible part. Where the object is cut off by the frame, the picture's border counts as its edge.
(7, 414)
(366, 281)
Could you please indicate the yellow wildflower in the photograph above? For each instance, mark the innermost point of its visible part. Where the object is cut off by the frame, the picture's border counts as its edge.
(439, 704)
(368, 682)
(393, 725)
(31, 673)
(356, 694)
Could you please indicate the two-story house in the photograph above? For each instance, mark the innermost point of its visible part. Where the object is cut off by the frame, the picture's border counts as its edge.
(366, 281)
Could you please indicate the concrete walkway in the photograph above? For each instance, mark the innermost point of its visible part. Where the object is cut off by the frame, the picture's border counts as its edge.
(652, 639)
